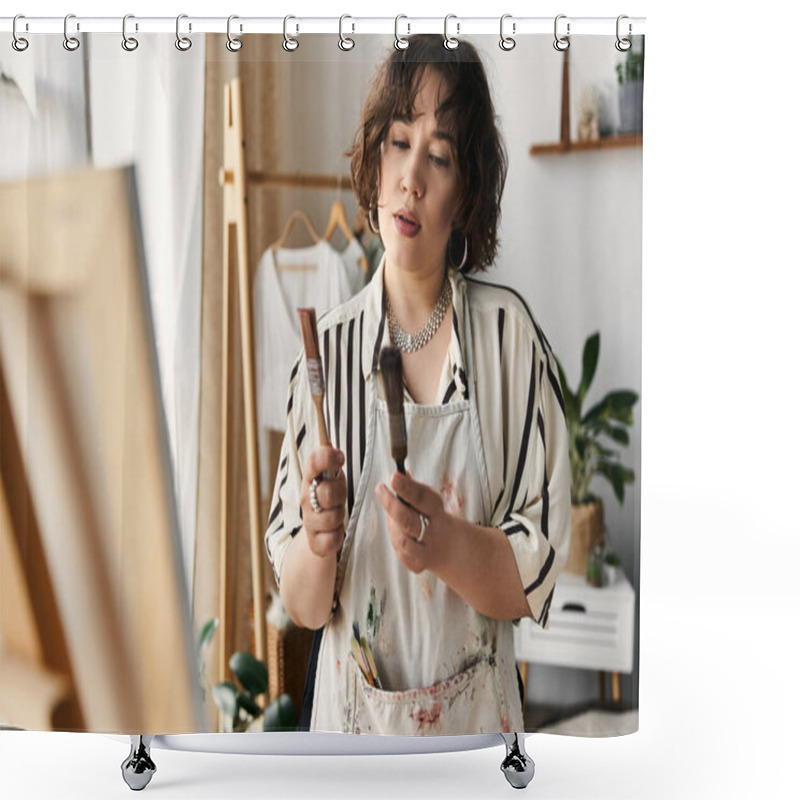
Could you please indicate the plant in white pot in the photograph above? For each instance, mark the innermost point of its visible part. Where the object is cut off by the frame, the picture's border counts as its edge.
(590, 454)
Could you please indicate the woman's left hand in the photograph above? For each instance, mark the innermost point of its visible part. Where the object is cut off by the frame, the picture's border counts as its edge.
(419, 544)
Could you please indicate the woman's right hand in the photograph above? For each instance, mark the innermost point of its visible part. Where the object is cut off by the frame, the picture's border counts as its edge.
(325, 528)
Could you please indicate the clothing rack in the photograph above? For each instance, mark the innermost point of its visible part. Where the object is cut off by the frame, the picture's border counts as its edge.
(235, 181)
(298, 179)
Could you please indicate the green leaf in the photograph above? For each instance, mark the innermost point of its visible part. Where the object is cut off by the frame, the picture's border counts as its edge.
(247, 702)
(615, 405)
(602, 426)
(251, 672)
(618, 474)
(207, 634)
(572, 407)
(621, 400)
(591, 352)
(226, 697)
(280, 714)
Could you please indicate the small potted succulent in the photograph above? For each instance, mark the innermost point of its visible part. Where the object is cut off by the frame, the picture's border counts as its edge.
(590, 455)
(239, 704)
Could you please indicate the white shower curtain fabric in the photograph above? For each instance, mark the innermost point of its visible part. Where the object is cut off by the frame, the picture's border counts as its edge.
(569, 261)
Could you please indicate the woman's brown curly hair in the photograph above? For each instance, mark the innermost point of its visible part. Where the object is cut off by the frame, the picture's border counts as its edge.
(466, 113)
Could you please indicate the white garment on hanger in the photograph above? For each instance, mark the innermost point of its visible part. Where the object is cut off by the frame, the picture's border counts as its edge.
(351, 256)
(277, 294)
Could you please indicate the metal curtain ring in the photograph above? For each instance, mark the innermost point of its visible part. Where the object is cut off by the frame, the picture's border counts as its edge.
(450, 42)
(290, 43)
(19, 43)
(128, 42)
(507, 42)
(345, 43)
(400, 42)
(183, 43)
(71, 43)
(623, 44)
(423, 526)
(312, 496)
(561, 43)
(233, 44)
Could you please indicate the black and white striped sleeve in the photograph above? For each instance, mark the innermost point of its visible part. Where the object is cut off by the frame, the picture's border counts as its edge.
(533, 507)
(286, 516)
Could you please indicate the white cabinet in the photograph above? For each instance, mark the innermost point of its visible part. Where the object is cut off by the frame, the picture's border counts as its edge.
(590, 628)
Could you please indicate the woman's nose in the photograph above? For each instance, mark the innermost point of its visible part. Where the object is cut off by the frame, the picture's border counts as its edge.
(413, 178)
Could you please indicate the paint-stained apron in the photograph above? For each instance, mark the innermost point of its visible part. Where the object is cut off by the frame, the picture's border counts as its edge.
(444, 667)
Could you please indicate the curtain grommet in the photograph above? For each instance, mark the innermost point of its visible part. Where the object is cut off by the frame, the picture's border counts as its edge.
(129, 43)
(561, 43)
(507, 43)
(623, 44)
(183, 43)
(451, 42)
(290, 43)
(401, 42)
(19, 43)
(233, 44)
(71, 43)
(345, 42)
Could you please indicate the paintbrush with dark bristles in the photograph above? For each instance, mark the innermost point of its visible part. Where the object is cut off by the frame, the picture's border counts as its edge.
(392, 373)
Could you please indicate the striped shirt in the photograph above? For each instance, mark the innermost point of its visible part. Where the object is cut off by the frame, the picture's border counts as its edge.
(520, 408)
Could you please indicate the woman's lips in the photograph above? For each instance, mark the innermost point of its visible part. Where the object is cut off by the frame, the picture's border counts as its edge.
(406, 227)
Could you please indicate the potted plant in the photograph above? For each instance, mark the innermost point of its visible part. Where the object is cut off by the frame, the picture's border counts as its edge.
(611, 565)
(630, 77)
(590, 455)
(239, 704)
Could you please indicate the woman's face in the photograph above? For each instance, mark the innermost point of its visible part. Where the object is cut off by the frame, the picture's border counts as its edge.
(418, 191)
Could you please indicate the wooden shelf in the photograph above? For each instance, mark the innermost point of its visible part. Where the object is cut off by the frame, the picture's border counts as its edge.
(565, 145)
(604, 143)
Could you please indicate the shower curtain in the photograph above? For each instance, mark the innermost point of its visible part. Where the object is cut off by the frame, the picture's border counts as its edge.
(151, 264)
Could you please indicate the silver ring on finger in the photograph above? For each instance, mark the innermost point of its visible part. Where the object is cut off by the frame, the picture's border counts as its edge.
(423, 526)
(312, 495)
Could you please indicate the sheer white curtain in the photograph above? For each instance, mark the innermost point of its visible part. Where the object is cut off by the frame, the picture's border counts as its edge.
(42, 110)
(146, 108)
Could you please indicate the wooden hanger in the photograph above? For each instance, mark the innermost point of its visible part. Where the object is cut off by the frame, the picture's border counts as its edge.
(338, 219)
(298, 215)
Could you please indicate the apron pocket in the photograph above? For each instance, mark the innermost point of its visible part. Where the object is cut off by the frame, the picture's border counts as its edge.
(464, 703)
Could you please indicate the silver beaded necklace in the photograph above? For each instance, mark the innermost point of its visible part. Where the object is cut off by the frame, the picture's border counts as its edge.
(411, 342)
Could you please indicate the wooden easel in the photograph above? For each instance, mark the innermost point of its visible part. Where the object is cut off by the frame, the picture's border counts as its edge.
(235, 181)
(96, 630)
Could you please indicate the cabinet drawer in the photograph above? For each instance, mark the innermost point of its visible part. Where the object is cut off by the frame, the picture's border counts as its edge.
(589, 628)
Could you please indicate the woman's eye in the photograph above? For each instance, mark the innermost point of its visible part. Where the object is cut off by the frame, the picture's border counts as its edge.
(399, 143)
(439, 161)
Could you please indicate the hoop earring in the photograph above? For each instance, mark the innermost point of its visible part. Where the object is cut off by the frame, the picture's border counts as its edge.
(460, 266)
(372, 226)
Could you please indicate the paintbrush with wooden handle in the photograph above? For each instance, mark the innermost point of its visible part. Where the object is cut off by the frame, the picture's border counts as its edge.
(316, 378)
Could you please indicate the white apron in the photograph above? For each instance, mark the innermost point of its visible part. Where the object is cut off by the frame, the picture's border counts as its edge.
(445, 669)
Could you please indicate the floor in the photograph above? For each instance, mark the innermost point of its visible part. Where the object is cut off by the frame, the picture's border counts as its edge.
(587, 719)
